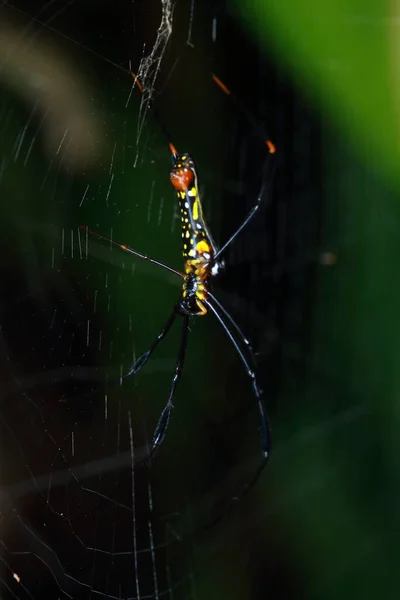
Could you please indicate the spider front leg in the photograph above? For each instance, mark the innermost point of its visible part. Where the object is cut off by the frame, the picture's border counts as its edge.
(142, 360)
(249, 365)
(163, 422)
(245, 353)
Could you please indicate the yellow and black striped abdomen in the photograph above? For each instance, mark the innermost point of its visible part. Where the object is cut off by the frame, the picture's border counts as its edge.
(197, 243)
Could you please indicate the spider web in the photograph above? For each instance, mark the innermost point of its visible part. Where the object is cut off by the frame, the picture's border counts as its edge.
(79, 147)
(77, 519)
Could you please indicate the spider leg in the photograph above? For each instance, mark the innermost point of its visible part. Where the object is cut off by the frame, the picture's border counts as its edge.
(163, 422)
(142, 360)
(131, 251)
(267, 170)
(265, 435)
(267, 175)
(235, 326)
(246, 344)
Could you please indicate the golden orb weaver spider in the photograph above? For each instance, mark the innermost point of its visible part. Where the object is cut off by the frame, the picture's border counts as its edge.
(201, 263)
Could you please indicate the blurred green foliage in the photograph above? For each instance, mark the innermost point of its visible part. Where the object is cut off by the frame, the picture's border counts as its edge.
(335, 483)
(347, 54)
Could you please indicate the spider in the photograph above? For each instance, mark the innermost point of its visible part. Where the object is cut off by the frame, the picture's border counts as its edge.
(202, 263)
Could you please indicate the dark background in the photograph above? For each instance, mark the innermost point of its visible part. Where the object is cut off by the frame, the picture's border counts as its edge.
(77, 520)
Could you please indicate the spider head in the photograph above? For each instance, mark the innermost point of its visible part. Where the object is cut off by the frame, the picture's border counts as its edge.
(182, 174)
(189, 305)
